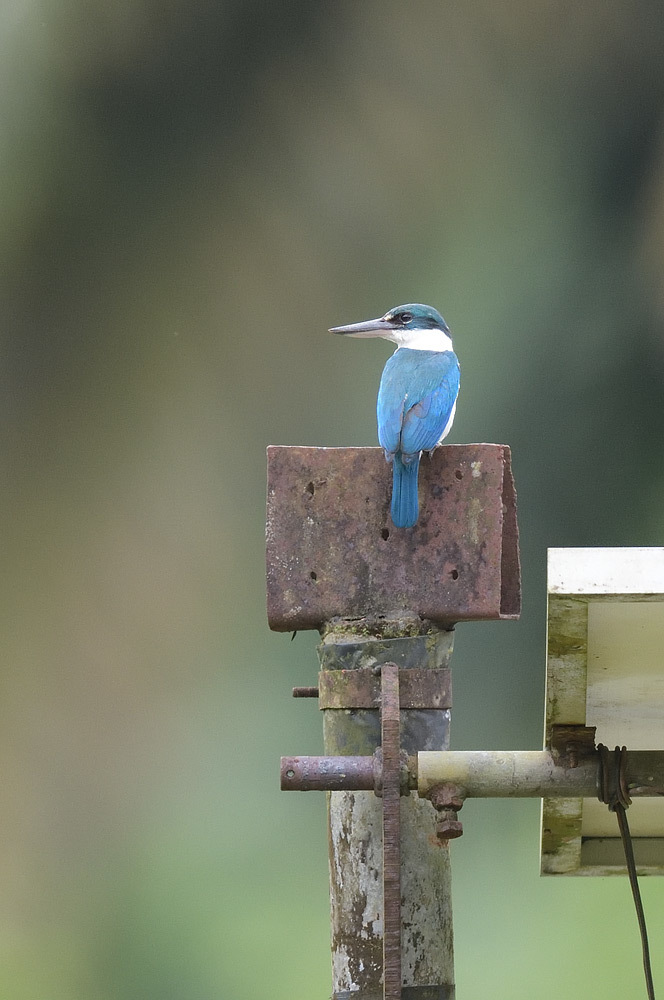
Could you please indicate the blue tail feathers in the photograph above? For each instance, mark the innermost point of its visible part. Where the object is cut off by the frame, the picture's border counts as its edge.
(404, 509)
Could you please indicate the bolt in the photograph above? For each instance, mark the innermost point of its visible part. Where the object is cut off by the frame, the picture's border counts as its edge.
(447, 796)
(447, 800)
(305, 692)
(448, 827)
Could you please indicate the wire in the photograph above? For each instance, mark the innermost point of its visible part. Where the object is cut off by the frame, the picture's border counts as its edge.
(621, 813)
(618, 800)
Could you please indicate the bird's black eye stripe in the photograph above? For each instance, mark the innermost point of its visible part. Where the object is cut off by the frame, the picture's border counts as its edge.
(405, 318)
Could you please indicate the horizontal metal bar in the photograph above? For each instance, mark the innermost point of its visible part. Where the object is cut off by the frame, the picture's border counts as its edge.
(327, 774)
(479, 773)
(305, 692)
(532, 773)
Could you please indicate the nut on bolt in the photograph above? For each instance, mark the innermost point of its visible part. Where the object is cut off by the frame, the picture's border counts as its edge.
(448, 800)
(448, 827)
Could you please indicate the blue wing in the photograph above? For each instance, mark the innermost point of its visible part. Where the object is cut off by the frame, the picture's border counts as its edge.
(415, 400)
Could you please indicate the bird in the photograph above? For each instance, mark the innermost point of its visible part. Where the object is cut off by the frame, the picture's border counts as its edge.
(417, 396)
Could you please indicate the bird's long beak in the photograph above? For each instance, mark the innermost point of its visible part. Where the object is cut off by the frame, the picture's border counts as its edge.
(370, 328)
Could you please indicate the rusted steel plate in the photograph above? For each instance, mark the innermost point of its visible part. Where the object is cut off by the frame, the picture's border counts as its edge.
(332, 550)
(360, 688)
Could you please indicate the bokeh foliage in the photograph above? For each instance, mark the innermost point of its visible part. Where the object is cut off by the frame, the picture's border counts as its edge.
(192, 193)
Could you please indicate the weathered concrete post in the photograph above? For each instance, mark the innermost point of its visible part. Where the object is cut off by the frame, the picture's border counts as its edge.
(355, 836)
(381, 595)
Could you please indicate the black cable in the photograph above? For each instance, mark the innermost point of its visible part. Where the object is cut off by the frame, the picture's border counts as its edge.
(621, 813)
(618, 800)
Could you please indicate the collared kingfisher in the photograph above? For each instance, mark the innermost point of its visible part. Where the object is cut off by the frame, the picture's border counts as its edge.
(417, 395)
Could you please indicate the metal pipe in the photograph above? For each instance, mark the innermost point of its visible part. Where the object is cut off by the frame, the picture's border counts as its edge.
(532, 773)
(327, 774)
(489, 773)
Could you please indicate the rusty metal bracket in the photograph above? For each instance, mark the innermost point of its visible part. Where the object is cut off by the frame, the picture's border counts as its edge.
(391, 748)
(570, 743)
(361, 688)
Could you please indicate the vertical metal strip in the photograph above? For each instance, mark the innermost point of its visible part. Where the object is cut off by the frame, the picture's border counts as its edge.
(390, 739)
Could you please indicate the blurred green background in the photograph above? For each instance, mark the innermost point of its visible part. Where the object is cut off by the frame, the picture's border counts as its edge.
(192, 193)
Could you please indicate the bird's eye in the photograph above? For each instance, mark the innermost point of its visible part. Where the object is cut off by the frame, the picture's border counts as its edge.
(405, 318)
